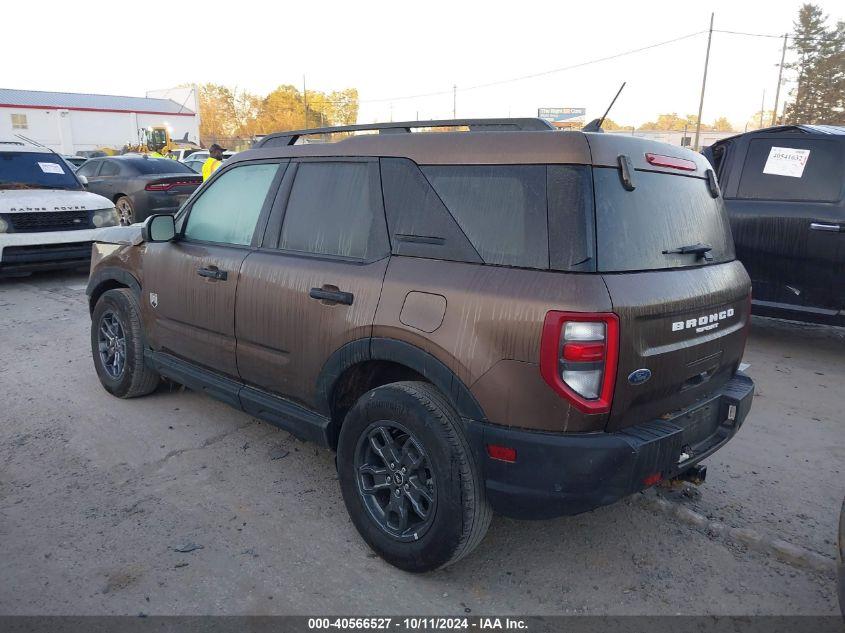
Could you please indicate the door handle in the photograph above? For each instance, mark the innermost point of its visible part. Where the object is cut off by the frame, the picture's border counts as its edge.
(331, 294)
(820, 226)
(212, 272)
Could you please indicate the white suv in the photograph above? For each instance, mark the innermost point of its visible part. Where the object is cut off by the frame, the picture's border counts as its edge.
(47, 219)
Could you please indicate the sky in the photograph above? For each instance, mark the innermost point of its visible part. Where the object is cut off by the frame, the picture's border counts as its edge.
(392, 50)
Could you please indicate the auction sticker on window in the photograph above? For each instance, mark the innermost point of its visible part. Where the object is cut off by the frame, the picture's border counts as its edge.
(786, 161)
(51, 168)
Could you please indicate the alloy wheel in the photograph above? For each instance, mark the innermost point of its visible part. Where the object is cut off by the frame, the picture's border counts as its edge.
(395, 480)
(111, 342)
(124, 211)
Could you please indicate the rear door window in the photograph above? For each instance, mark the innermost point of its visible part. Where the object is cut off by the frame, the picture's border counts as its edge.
(820, 180)
(663, 213)
(335, 208)
(109, 168)
(500, 208)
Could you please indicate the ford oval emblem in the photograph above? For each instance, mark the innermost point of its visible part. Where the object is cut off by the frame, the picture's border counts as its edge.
(639, 376)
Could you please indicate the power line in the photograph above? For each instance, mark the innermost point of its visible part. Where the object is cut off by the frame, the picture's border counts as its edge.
(539, 74)
(791, 37)
(599, 60)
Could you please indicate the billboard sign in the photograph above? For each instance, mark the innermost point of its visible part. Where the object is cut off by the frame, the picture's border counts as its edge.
(563, 117)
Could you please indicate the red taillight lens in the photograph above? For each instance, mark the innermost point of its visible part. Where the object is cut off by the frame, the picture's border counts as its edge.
(166, 186)
(659, 160)
(652, 479)
(583, 352)
(578, 357)
(502, 453)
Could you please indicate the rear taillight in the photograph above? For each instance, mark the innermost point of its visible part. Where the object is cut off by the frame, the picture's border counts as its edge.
(166, 186)
(578, 357)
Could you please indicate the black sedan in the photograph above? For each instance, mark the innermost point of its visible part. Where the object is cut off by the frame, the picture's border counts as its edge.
(140, 186)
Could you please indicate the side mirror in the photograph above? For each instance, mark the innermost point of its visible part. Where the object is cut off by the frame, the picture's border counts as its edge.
(159, 228)
(83, 180)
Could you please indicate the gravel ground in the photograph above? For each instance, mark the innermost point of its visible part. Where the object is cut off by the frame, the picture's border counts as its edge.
(96, 495)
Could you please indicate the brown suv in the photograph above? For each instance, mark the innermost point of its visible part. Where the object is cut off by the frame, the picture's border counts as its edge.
(505, 318)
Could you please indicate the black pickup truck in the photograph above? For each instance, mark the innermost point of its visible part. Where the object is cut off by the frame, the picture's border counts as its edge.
(783, 188)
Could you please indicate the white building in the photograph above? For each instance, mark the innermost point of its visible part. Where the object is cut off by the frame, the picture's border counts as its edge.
(70, 123)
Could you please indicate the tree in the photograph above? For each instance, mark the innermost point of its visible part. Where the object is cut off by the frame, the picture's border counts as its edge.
(672, 122)
(229, 113)
(722, 125)
(217, 113)
(754, 120)
(612, 126)
(819, 94)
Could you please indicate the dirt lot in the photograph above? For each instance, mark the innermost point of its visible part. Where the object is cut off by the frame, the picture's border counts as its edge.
(96, 494)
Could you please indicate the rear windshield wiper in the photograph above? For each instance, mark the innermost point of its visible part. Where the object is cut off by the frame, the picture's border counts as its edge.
(699, 250)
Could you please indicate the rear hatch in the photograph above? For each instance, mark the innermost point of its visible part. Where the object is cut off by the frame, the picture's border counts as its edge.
(682, 312)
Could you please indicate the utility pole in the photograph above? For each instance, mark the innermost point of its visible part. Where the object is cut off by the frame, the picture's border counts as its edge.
(454, 101)
(762, 105)
(703, 83)
(780, 77)
(304, 105)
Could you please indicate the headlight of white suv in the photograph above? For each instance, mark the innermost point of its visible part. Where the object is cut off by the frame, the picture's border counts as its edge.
(106, 217)
(4, 226)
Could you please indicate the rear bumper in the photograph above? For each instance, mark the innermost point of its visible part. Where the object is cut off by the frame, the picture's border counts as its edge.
(564, 474)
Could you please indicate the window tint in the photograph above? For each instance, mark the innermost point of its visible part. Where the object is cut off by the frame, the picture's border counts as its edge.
(158, 166)
(420, 226)
(228, 210)
(333, 209)
(664, 212)
(821, 180)
(34, 170)
(572, 236)
(110, 168)
(500, 208)
(89, 168)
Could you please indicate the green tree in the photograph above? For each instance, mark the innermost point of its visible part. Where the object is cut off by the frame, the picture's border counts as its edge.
(819, 94)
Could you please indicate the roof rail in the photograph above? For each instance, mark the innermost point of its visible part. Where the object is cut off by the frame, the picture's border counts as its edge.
(280, 139)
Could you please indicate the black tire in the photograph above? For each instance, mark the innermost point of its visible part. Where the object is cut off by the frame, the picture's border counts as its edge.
(459, 514)
(125, 210)
(119, 310)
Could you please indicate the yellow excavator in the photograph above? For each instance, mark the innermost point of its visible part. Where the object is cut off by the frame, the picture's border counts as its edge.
(157, 138)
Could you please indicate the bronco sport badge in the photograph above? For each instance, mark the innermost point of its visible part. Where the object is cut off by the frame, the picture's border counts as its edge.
(703, 323)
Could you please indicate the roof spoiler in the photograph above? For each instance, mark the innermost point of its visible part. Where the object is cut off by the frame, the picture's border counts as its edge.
(281, 139)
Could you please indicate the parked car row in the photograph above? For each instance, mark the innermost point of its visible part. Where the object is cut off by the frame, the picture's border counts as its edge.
(139, 185)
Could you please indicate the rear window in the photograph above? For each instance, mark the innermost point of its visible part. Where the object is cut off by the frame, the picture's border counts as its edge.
(159, 166)
(530, 216)
(663, 213)
(501, 209)
(771, 173)
(35, 170)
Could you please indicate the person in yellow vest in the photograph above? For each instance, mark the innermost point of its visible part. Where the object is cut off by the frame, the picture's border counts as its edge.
(155, 153)
(213, 162)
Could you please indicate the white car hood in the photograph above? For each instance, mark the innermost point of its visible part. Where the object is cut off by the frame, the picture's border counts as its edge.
(46, 200)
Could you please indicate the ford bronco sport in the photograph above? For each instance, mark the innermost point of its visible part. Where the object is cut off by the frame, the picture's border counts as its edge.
(502, 319)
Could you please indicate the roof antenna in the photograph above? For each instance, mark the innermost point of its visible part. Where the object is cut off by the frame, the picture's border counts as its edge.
(36, 143)
(595, 124)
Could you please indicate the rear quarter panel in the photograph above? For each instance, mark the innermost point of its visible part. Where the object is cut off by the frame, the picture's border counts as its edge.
(490, 332)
